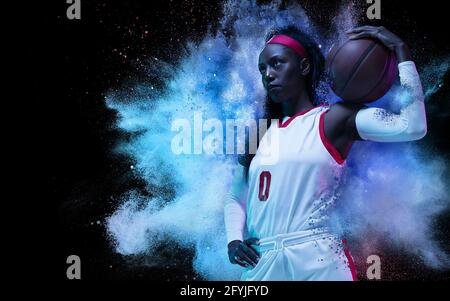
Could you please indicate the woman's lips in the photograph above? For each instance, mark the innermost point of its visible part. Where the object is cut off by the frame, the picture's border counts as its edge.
(274, 88)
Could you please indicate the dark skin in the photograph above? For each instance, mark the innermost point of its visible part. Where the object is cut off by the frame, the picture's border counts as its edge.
(285, 70)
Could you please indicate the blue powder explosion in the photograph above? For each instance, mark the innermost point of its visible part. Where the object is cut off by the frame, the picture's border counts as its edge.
(395, 189)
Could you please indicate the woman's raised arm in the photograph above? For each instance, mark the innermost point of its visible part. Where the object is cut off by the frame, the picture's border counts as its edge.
(377, 124)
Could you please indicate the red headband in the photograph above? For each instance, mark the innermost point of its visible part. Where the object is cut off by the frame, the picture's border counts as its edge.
(289, 42)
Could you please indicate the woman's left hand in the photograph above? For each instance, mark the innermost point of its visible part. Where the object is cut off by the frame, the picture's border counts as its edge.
(390, 40)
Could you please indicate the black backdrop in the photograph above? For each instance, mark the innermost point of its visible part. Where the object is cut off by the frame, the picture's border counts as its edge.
(79, 60)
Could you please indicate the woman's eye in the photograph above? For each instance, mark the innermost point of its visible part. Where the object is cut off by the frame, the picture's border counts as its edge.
(277, 63)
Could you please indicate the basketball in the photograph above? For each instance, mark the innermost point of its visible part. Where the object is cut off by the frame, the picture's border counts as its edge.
(361, 70)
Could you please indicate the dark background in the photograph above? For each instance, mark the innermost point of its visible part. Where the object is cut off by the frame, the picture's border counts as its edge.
(78, 61)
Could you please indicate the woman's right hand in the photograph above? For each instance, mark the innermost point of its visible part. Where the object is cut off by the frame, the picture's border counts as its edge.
(390, 40)
(242, 253)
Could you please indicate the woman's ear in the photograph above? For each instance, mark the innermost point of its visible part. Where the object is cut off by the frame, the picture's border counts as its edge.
(305, 66)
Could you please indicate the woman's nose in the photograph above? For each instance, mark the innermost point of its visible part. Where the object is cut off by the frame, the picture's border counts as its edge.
(269, 74)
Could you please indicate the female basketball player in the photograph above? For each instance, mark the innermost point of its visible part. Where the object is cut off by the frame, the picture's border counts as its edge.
(285, 204)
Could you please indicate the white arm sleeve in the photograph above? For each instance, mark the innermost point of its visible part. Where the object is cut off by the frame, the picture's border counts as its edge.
(234, 208)
(376, 124)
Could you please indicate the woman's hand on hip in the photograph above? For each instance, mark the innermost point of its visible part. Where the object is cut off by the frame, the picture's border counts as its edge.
(242, 252)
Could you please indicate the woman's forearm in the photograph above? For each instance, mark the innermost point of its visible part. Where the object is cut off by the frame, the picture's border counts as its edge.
(234, 208)
(234, 215)
(402, 53)
(376, 124)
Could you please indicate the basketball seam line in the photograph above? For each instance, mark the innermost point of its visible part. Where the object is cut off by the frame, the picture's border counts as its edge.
(357, 65)
(383, 75)
(337, 51)
(334, 56)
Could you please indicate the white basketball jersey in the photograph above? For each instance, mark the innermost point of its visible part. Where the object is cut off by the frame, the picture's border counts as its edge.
(295, 191)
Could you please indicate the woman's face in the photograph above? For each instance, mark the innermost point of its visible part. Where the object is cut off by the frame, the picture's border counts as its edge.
(282, 72)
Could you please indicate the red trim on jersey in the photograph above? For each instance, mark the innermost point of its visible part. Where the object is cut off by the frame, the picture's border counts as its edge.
(286, 123)
(330, 147)
(351, 264)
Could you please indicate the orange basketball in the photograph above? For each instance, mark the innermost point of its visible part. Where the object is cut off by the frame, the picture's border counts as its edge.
(361, 70)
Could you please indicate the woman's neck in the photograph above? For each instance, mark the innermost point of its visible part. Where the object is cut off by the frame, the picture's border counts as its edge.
(302, 103)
